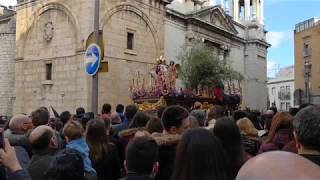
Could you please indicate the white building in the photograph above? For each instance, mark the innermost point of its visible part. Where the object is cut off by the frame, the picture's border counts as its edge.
(234, 29)
(281, 89)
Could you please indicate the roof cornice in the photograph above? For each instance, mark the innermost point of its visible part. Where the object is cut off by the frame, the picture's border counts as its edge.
(190, 18)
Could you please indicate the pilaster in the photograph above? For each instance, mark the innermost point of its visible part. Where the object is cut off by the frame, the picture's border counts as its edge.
(247, 10)
(235, 10)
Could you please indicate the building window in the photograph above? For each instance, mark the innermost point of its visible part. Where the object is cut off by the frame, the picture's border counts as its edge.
(281, 94)
(306, 49)
(49, 71)
(288, 106)
(282, 106)
(130, 40)
(288, 89)
(288, 93)
(273, 91)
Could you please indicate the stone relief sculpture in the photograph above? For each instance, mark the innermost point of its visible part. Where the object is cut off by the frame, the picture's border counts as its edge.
(48, 31)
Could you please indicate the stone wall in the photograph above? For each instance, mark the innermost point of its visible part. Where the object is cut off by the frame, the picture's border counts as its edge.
(72, 20)
(175, 38)
(62, 44)
(7, 51)
(146, 21)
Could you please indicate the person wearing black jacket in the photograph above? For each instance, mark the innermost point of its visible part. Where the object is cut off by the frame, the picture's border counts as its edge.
(142, 159)
(175, 121)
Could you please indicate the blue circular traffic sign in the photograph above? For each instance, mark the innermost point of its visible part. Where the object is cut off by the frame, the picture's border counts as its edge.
(92, 59)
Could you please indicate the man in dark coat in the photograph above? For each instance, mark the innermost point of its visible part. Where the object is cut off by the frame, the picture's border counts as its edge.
(175, 121)
(44, 145)
(142, 159)
(19, 127)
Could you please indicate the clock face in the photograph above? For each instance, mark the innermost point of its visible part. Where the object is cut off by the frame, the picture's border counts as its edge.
(48, 31)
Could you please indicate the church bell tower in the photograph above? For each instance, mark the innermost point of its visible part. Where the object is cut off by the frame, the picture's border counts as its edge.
(241, 10)
(248, 10)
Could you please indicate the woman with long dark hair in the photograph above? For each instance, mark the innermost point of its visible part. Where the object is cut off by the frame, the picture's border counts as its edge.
(228, 133)
(103, 154)
(200, 156)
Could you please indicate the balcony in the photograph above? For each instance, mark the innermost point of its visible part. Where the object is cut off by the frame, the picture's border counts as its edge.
(284, 96)
(307, 52)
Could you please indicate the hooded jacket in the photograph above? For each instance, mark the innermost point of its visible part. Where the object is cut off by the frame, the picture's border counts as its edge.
(83, 148)
(167, 152)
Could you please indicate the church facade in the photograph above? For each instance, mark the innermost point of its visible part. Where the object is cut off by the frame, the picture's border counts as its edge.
(51, 38)
(234, 29)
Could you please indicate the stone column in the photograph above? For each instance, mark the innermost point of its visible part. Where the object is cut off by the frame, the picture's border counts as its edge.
(254, 10)
(235, 10)
(261, 12)
(258, 15)
(247, 10)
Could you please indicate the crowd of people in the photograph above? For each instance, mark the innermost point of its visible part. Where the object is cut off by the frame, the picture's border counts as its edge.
(171, 144)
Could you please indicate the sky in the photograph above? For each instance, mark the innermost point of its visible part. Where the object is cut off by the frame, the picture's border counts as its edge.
(8, 2)
(280, 19)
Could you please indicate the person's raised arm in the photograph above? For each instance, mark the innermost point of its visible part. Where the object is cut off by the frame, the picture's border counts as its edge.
(9, 160)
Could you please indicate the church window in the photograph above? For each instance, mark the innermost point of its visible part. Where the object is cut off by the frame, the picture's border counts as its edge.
(288, 106)
(49, 71)
(130, 40)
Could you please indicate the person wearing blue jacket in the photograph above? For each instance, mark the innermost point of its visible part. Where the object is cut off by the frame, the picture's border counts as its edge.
(73, 132)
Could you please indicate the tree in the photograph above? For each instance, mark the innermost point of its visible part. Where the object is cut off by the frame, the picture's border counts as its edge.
(200, 66)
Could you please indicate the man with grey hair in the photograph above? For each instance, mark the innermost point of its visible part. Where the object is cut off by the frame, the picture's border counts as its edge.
(307, 134)
(19, 126)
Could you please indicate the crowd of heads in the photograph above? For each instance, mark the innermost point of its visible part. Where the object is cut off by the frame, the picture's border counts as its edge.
(173, 143)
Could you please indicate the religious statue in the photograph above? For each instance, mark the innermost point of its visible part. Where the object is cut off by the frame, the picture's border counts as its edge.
(160, 81)
(217, 91)
(172, 76)
(160, 77)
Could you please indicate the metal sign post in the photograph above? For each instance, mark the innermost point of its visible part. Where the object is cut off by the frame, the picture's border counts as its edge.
(94, 97)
